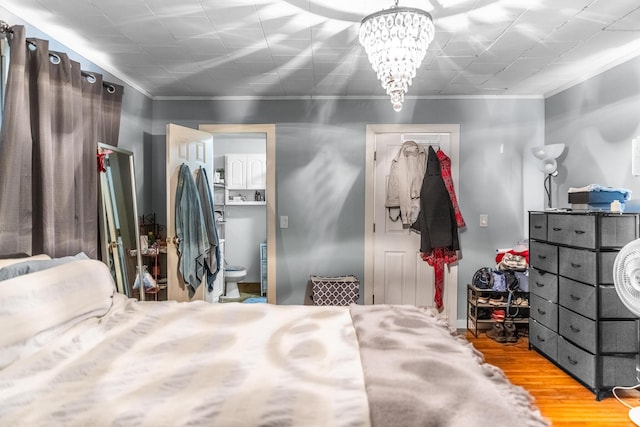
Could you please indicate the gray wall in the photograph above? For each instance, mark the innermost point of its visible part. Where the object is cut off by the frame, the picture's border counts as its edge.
(597, 119)
(318, 140)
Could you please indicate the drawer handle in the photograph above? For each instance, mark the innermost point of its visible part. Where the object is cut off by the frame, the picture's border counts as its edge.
(574, 329)
(542, 256)
(557, 229)
(537, 227)
(573, 362)
(579, 232)
(576, 265)
(540, 338)
(574, 298)
(540, 285)
(542, 311)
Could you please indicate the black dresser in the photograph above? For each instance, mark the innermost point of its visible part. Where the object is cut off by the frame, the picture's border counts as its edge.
(576, 318)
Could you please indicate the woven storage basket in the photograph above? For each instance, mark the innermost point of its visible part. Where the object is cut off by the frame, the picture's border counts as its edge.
(339, 290)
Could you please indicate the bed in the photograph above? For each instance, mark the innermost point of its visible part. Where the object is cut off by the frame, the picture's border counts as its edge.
(73, 352)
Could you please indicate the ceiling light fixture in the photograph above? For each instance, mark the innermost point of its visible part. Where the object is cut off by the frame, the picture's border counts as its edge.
(396, 41)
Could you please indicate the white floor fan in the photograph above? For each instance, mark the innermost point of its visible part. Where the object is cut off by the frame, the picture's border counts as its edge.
(626, 279)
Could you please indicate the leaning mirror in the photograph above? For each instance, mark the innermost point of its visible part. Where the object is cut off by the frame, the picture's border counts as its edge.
(119, 228)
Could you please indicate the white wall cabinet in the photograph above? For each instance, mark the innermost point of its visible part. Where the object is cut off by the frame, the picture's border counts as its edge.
(256, 165)
(236, 171)
(246, 171)
(246, 176)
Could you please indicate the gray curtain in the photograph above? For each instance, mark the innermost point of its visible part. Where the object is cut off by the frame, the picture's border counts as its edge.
(54, 116)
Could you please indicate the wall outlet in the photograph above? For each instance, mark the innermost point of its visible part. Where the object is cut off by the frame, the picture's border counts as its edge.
(484, 220)
(284, 221)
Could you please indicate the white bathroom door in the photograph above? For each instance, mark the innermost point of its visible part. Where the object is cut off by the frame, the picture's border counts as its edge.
(195, 149)
(400, 276)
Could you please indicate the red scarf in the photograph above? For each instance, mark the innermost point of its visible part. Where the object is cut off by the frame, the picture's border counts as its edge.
(437, 259)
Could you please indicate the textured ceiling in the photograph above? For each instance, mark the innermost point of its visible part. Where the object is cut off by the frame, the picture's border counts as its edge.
(302, 48)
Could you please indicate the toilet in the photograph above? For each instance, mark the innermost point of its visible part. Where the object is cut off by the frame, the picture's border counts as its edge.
(233, 275)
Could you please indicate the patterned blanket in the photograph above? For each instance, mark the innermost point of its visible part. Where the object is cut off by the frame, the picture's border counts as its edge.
(418, 372)
(73, 353)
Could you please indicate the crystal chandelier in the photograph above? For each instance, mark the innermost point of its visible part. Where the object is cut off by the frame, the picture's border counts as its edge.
(396, 41)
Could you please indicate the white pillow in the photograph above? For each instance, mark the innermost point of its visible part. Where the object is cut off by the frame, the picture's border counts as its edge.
(36, 307)
(9, 261)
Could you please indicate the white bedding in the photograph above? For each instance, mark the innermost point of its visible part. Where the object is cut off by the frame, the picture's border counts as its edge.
(110, 361)
(75, 353)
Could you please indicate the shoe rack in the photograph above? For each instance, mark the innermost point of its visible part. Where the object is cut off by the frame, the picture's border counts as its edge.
(486, 307)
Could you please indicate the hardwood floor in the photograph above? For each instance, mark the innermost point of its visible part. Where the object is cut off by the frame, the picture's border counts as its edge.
(561, 399)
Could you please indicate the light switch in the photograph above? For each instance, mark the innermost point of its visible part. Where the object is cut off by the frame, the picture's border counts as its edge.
(484, 220)
(284, 221)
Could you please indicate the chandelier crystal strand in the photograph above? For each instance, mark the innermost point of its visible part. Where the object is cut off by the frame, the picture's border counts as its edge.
(396, 41)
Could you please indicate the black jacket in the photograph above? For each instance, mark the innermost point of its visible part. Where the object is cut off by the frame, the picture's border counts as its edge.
(436, 222)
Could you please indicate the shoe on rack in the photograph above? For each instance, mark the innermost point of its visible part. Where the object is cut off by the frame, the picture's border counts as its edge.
(484, 313)
(497, 300)
(497, 333)
(483, 300)
(510, 331)
(497, 314)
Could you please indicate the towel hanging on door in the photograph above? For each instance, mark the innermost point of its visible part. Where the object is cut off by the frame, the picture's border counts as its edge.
(190, 231)
(212, 260)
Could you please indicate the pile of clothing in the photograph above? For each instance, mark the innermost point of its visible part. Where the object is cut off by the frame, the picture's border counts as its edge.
(513, 265)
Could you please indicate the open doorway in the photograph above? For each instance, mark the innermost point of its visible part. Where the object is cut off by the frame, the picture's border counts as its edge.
(260, 132)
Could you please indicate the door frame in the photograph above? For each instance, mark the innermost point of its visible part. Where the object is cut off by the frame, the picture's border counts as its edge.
(270, 132)
(369, 193)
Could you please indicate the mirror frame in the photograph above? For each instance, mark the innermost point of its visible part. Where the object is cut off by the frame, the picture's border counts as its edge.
(105, 216)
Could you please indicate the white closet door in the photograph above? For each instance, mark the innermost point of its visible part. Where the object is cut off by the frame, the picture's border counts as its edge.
(400, 276)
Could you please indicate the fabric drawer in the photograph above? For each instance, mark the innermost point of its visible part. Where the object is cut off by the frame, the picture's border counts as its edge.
(617, 230)
(545, 312)
(618, 336)
(543, 284)
(543, 256)
(574, 230)
(577, 264)
(543, 339)
(606, 260)
(619, 370)
(611, 305)
(578, 362)
(578, 297)
(577, 329)
(538, 226)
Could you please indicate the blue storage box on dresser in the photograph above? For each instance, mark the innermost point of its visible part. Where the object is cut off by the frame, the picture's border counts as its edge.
(577, 320)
